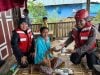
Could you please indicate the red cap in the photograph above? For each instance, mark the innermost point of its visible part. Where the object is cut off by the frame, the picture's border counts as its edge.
(80, 14)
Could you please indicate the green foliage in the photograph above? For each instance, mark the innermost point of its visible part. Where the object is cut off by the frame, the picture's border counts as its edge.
(37, 11)
(98, 15)
(96, 20)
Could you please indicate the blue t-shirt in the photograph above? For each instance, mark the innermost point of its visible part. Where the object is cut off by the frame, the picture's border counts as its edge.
(42, 46)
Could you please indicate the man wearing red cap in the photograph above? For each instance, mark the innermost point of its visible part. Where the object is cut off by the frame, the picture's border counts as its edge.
(84, 35)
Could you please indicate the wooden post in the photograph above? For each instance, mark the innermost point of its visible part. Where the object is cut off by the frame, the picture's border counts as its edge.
(16, 16)
(26, 4)
(88, 5)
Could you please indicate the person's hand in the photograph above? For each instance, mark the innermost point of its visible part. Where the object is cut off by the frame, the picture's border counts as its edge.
(78, 50)
(63, 45)
(24, 60)
(47, 62)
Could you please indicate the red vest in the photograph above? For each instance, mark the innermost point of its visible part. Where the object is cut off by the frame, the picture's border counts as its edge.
(25, 39)
(82, 36)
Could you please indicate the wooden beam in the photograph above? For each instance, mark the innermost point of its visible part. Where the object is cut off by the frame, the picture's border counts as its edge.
(16, 16)
(88, 5)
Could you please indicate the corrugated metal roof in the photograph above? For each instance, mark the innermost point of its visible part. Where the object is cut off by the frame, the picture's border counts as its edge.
(59, 2)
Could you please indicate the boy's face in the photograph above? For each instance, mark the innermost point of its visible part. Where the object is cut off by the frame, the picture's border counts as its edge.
(45, 20)
(25, 13)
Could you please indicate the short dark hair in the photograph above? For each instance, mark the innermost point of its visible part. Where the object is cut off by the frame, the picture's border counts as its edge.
(42, 28)
(21, 20)
(45, 18)
(26, 10)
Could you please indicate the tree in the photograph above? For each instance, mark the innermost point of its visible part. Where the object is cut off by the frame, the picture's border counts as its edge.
(96, 20)
(37, 11)
(98, 15)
